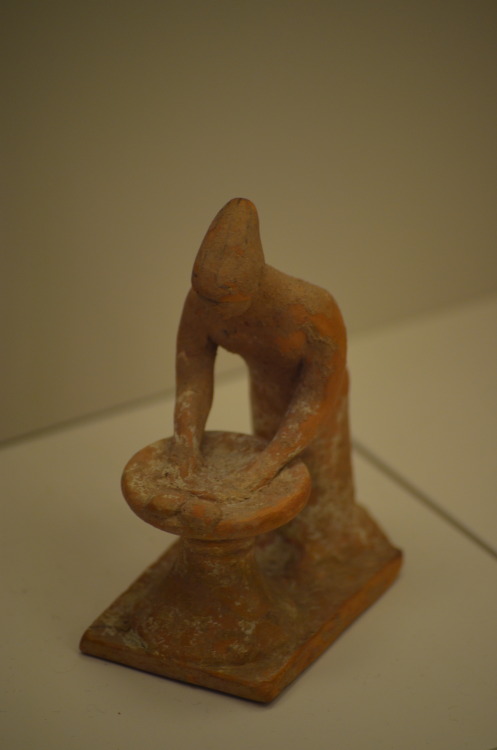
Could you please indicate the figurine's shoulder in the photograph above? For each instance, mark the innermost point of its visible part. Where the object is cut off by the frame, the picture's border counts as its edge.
(290, 290)
(193, 322)
(194, 306)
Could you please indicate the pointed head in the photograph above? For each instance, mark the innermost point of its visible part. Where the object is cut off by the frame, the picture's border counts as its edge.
(230, 261)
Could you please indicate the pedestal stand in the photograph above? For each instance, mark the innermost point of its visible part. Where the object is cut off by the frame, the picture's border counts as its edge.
(216, 609)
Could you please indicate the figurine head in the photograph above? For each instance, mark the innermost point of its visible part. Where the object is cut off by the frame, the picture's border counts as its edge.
(230, 262)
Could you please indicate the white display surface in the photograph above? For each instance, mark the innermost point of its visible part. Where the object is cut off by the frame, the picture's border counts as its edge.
(424, 401)
(417, 670)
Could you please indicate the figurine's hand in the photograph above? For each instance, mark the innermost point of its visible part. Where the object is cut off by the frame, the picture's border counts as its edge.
(255, 474)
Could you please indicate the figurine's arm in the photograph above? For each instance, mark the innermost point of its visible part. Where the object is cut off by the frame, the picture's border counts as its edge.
(321, 380)
(195, 355)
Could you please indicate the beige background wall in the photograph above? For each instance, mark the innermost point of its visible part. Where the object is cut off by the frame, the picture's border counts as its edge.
(363, 131)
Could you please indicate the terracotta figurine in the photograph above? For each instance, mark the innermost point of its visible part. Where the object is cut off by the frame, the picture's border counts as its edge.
(275, 558)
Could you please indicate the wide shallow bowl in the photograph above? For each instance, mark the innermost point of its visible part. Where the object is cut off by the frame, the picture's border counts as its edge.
(209, 504)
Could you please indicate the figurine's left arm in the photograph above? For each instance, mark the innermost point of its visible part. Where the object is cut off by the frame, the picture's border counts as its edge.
(320, 383)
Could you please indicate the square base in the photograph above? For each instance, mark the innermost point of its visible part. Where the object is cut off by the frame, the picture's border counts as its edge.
(329, 595)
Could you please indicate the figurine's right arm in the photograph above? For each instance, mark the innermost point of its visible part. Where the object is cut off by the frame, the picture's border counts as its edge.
(195, 355)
